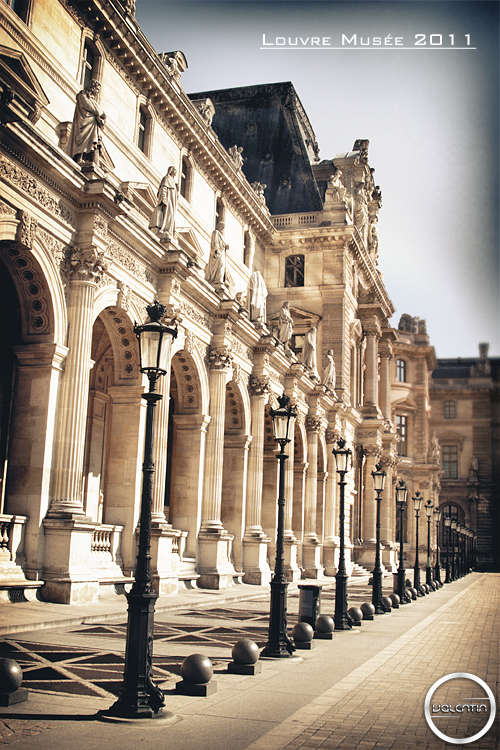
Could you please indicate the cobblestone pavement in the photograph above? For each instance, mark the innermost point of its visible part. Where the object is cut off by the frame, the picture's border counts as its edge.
(364, 690)
(380, 704)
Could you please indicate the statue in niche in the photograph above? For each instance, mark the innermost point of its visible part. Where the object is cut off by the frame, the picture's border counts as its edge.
(258, 297)
(474, 469)
(163, 217)
(335, 191)
(435, 451)
(88, 124)
(285, 324)
(215, 271)
(373, 239)
(309, 353)
(328, 376)
(235, 154)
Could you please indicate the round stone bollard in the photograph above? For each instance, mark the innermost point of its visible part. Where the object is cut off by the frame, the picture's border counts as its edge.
(196, 672)
(303, 635)
(356, 615)
(368, 610)
(11, 677)
(413, 592)
(387, 603)
(395, 600)
(324, 628)
(245, 655)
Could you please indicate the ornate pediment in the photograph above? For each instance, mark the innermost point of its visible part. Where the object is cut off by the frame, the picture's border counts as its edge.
(22, 95)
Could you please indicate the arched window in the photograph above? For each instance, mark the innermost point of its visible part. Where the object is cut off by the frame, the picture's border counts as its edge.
(87, 69)
(401, 370)
(294, 270)
(449, 410)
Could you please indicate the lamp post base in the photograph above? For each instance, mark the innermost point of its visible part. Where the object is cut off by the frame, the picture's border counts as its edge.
(279, 645)
(404, 597)
(341, 618)
(377, 593)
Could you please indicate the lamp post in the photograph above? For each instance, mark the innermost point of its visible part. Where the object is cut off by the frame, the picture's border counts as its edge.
(474, 551)
(140, 697)
(460, 550)
(343, 458)
(447, 525)
(378, 485)
(401, 493)
(428, 567)
(279, 645)
(417, 504)
(437, 567)
(453, 527)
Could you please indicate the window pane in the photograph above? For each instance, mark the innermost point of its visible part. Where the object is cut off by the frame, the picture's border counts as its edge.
(402, 431)
(401, 370)
(294, 270)
(449, 410)
(450, 461)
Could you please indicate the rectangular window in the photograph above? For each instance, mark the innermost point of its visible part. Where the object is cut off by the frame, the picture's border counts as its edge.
(450, 461)
(294, 270)
(401, 371)
(449, 410)
(402, 431)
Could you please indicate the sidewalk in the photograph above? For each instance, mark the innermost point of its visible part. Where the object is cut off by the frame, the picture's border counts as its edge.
(361, 691)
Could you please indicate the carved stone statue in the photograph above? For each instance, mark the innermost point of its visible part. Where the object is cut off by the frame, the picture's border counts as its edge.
(435, 451)
(259, 188)
(215, 271)
(285, 324)
(373, 239)
(309, 353)
(163, 217)
(258, 297)
(360, 210)
(335, 191)
(474, 469)
(235, 154)
(328, 376)
(88, 124)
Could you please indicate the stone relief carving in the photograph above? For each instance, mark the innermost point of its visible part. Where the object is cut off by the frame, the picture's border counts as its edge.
(335, 190)
(313, 424)
(29, 185)
(127, 260)
(100, 226)
(193, 314)
(7, 210)
(259, 385)
(332, 436)
(206, 108)
(219, 358)
(27, 229)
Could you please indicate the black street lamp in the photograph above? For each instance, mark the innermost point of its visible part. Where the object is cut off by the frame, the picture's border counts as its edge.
(417, 504)
(378, 485)
(437, 567)
(460, 550)
(279, 645)
(140, 697)
(447, 525)
(401, 493)
(428, 567)
(453, 527)
(343, 458)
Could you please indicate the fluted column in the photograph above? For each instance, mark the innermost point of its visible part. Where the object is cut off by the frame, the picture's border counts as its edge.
(371, 372)
(84, 268)
(312, 425)
(368, 520)
(219, 364)
(385, 352)
(258, 400)
(160, 448)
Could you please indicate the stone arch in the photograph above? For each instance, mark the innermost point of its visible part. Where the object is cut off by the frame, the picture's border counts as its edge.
(120, 330)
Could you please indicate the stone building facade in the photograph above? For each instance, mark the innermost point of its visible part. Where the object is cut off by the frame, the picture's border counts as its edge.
(118, 188)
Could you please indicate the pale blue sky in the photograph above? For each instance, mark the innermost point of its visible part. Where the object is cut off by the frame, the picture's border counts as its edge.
(430, 113)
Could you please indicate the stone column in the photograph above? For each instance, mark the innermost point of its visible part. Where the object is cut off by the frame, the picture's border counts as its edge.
(68, 533)
(160, 449)
(385, 352)
(311, 547)
(390, 551)
(331, 538)
(292, 569)
(366, 555)
(214, 542)
(371, 361)
(255, 542)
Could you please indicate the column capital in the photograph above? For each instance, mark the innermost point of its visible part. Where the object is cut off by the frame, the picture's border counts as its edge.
(85, 264)
(332, 436)
(313, 424)
(219, 358)
(258, 385)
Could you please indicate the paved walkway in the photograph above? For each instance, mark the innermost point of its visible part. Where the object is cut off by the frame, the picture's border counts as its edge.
(363, 690)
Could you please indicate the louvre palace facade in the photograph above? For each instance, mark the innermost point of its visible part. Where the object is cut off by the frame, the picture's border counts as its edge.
(119, 188)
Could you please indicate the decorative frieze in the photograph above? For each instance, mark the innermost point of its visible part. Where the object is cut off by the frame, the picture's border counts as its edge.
(128, 261)
(27, 229)
(195, 315)
(30, 186)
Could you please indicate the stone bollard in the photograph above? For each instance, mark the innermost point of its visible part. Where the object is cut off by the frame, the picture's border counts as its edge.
(324, 628)
(356, 615)
(11, 677)
(196, 673)
(387, 603)
(245, 655)
(368, 611)
(303, 635)
(395, 600)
